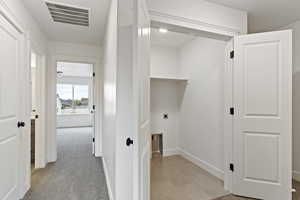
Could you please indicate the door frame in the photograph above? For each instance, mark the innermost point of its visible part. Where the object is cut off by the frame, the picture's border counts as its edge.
(160, 19)
(24, 151)
(40, 144)
(52, 81)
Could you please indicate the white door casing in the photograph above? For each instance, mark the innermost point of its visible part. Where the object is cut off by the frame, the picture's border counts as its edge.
(228, 119)
(10, 111)
(262, 149)
(133, 93)
(143, 95)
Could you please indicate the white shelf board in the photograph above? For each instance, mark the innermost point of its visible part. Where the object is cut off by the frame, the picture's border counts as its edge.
(169, 78)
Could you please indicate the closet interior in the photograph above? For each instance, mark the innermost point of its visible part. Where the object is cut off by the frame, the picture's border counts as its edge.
(187, 113)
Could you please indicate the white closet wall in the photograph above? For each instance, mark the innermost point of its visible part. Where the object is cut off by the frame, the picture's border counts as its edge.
(164, 61)
(201, 114)
(164, 96)
(164, 100)
(195, 108)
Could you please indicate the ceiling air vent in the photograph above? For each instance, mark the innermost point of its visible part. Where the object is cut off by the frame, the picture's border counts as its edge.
(68, 14)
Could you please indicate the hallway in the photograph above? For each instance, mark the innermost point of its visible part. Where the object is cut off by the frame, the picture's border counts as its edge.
(76, 175)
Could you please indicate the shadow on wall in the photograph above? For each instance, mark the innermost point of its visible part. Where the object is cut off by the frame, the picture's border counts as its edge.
(181, 92)
(296, 124)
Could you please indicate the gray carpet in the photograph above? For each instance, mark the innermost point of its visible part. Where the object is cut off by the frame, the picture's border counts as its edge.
(77, 174)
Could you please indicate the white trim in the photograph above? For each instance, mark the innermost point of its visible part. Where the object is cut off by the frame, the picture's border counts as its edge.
(40, 132)
(8, 14)
(296, 175)
(108, 182)
(51, 115)
(158, 17)
(228, 119)
(170, 152)
(202, 164)
(191, 24)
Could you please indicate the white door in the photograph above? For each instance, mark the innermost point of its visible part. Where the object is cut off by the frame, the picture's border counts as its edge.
(10, 40)
(143, 76)
(263, 115)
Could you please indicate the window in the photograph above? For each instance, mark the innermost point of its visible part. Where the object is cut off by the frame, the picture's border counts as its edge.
(81, 96)
(72, 99)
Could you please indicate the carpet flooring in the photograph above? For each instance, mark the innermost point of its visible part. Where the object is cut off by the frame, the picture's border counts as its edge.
(76, 175)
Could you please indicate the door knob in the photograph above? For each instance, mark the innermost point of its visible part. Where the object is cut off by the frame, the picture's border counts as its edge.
(20, 124)
(129, 142)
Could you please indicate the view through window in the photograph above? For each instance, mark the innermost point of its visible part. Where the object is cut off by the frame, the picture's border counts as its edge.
(73, 86)
(73, 98)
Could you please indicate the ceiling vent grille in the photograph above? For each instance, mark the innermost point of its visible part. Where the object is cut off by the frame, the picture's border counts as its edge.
(67, 14)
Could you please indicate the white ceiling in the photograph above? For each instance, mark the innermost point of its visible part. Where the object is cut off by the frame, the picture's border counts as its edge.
(56, 31)
(169, 39)
(266, 15)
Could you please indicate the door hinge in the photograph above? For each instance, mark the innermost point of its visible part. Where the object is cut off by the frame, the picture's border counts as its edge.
(94, 74)
(94, 107)
(232, 111)
(231, 167)
(93, 139)
(232, 54)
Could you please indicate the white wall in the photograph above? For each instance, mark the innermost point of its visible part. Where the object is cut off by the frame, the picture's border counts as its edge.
(197, 13)
(109, 98)
(59, 51)
(201, 115)
(195, 108)
(296, 98)
(164, 100)
(164, 96)
(164, 62)
(23, 17)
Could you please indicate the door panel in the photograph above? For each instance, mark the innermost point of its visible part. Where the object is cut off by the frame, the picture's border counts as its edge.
(9, 104)
(262, 121)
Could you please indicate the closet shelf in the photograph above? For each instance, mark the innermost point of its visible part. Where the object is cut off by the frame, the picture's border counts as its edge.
(168, 78)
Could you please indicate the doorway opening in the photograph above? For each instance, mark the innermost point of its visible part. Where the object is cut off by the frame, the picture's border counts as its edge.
(37, 110)
(192, 109)
(34, 111)
(187, 106)
(75, 106)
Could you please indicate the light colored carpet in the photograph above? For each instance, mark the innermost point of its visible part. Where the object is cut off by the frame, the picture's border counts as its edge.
(175, 178)
(77, 174)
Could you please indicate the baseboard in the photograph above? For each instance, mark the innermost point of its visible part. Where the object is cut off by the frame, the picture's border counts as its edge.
(170, 152)
(108, 183)
(24, 191)
(98, 154)
(202, 164)
(296, 175)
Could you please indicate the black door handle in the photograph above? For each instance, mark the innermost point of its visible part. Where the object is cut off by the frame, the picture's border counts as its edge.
(20, 124)
(129, 142)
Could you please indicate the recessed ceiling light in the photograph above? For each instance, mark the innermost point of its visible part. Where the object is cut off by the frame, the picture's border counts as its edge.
(163, 30)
